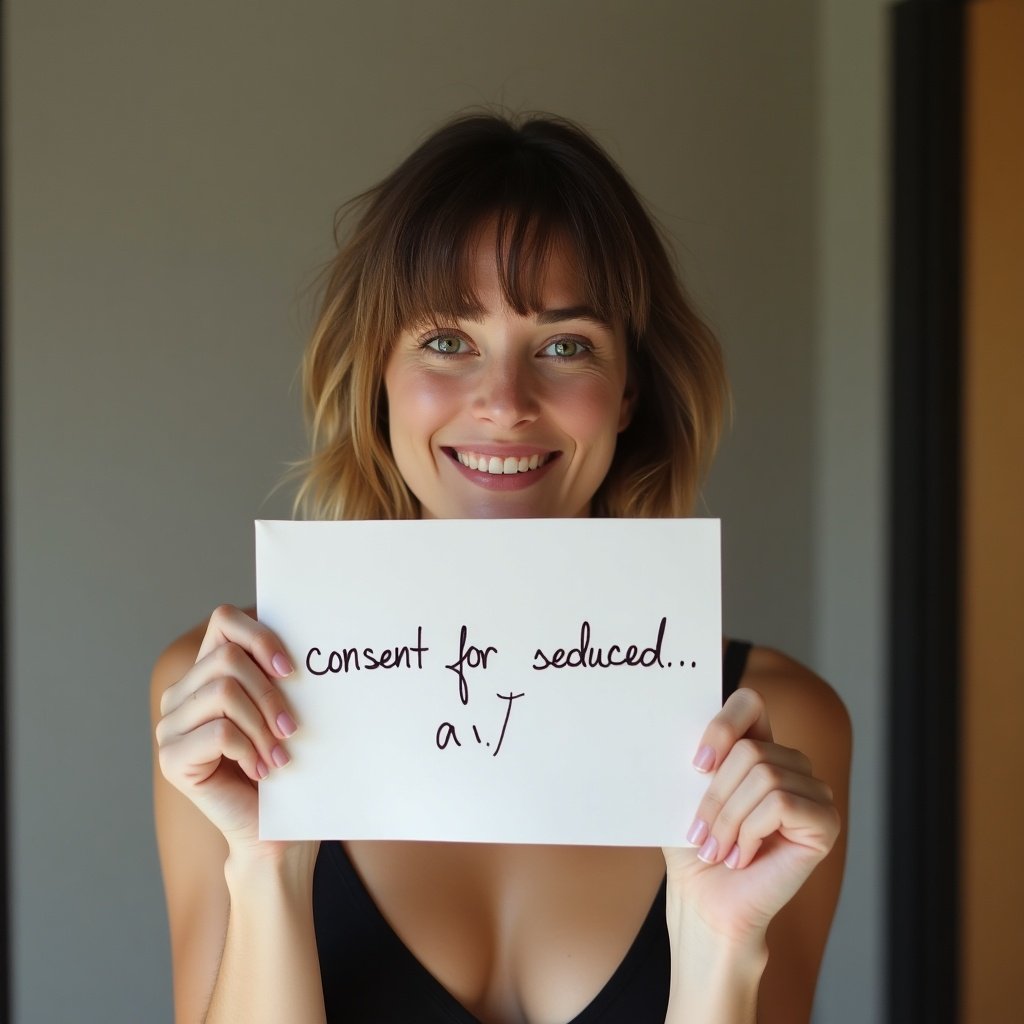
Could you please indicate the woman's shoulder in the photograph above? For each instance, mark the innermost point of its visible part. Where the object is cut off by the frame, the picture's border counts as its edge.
(803, 709)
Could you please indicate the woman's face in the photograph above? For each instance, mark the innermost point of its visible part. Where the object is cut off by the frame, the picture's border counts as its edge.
(509, 416)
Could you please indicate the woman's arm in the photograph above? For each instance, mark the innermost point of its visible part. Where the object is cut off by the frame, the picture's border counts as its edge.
(771, 857)
(714, 979)
(242, 939)
(269, 971)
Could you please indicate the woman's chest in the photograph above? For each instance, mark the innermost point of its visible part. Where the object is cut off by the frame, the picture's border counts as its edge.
(508, 934)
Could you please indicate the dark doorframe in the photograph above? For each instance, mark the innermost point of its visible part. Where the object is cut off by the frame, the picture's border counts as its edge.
(925, 336)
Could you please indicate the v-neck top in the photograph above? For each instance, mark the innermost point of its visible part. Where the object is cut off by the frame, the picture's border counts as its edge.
(370, 975)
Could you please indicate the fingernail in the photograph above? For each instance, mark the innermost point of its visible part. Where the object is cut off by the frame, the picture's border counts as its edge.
(279, 756)
(262, 770)
(286, 723)
(705, 759)
(734, 857)
(708, 850)
(698, 832)
(282, 666)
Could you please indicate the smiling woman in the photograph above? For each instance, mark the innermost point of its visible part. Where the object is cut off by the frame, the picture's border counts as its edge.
(490, 240)
(502, 335)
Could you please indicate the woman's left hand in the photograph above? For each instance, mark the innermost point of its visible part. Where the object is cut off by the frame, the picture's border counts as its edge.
(762, 827)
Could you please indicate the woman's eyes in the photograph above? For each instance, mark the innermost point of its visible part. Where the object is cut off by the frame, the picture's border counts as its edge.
(453, 345)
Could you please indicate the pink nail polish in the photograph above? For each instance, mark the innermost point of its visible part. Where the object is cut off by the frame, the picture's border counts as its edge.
(705, 759)
(282, 666)
(279, 756)
(734, 857)
(286, 723)
(709, 851)
(698, 832)
(261, 769)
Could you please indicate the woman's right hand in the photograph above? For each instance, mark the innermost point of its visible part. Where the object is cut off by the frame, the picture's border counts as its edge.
(224, 724)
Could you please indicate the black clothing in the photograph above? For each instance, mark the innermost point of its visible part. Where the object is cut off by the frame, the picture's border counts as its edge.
(369, 975)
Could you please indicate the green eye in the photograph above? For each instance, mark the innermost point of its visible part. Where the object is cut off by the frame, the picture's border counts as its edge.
(446, 344)
(565, 348)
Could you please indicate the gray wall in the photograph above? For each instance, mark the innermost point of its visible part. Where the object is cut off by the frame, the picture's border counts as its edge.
(172, 173)
(850, 487)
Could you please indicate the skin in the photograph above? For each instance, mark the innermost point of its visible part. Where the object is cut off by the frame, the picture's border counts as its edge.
(515, 933)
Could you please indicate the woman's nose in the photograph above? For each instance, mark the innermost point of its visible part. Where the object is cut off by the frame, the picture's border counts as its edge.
(507, 395)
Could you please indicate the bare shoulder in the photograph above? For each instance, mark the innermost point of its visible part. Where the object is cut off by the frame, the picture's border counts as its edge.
(803, 709)
(175, 660)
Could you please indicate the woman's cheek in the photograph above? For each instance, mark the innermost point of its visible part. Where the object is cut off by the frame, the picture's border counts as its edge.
(423, 403)
(591, 410)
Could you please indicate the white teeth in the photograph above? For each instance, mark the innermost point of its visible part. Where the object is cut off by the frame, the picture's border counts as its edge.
(499, 466)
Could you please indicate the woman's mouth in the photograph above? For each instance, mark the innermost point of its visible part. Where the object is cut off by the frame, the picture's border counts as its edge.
(503, 471)
(498, 465)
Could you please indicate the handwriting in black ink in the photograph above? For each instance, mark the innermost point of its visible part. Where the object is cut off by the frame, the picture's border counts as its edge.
(510, 696)
(586, 656)
(470, 656)
(351, 659)
(445, 734)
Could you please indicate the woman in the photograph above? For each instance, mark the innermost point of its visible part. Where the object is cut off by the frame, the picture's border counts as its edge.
(502, 334)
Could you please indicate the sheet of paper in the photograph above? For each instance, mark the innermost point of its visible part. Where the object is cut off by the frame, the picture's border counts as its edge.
(514, 681)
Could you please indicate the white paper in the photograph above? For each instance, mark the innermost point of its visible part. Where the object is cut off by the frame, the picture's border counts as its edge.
(395, 742)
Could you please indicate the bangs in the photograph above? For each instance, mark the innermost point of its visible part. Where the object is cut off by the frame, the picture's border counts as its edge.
(536, 207)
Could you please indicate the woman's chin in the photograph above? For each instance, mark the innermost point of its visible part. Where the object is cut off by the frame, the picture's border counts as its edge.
(498, 509)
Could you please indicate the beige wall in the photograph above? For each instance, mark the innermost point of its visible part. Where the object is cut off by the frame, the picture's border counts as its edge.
(992, 836)
(172, 172)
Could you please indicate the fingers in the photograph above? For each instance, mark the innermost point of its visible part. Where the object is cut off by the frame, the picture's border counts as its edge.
(768, 799)
(231, 661)
(751, 766)
(229, 696)
(229, 624)
(246, 651)
(758, 788)
(195, 756)
(743, 714)
(225, 698)
(806, 820)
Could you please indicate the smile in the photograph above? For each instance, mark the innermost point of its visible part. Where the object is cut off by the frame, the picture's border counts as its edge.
(498, 465)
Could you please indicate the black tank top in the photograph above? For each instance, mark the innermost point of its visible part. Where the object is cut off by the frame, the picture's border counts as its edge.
(369, 974)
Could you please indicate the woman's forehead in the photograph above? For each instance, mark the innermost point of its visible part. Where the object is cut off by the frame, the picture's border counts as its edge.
(560, 298)
(530, 273)
(554, 276)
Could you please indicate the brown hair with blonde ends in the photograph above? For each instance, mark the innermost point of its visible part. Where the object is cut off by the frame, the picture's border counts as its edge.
(543, 181)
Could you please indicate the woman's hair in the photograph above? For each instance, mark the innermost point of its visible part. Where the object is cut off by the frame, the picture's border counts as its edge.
(543, 181)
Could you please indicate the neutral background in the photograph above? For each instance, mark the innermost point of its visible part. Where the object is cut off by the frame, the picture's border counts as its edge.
(172, 174)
